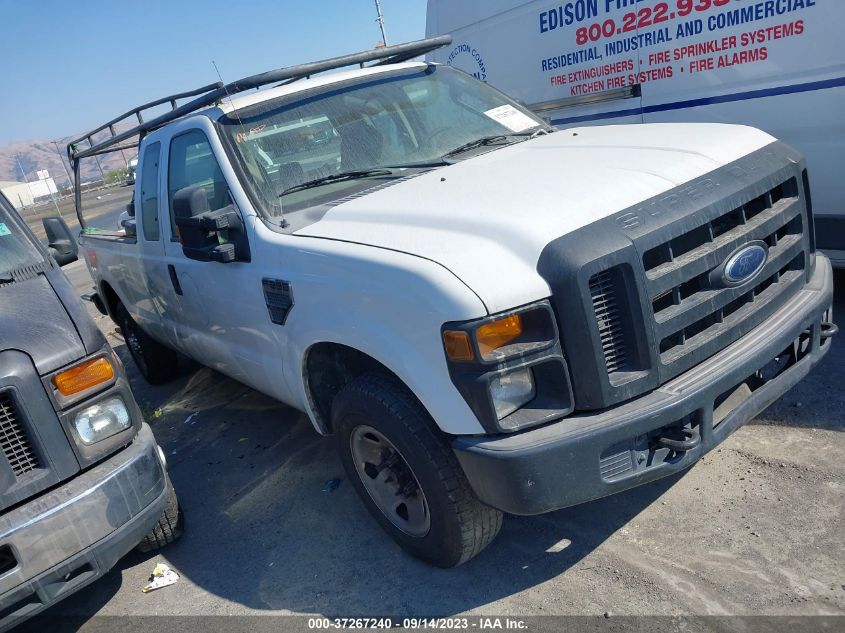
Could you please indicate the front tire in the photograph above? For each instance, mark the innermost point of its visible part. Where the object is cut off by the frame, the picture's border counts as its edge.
(169, 527)
(404, 470)
(157, 363)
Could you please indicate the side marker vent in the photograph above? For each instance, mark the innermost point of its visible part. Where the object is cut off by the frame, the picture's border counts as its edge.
(279, 298)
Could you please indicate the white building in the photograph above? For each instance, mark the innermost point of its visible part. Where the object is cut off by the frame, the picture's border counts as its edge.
(25, 194)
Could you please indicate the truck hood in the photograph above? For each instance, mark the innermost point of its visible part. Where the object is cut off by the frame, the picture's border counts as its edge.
(488, 218)
(36, 323)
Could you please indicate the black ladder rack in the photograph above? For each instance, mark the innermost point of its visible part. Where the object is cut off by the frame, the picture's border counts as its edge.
(214, 93)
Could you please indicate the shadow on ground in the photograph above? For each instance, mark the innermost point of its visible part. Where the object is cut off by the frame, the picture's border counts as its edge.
(262, 532)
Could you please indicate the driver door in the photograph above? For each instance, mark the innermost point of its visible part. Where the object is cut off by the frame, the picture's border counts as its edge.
(217, 309)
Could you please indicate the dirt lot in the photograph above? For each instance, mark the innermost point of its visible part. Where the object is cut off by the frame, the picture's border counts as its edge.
(754, 528)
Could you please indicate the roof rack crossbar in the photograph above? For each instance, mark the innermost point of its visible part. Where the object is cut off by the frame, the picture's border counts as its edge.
(215, 92)
(112, 148)
(88, 136)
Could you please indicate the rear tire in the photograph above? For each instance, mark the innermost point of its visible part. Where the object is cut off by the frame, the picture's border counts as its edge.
(169, 528)
(376, 419)
(157, 363)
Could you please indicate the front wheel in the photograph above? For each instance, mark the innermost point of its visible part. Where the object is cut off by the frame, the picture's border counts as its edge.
(157, 363)
(404, 470)
(169, 526)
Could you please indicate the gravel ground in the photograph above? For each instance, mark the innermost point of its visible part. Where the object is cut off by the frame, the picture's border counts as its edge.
(755, 528)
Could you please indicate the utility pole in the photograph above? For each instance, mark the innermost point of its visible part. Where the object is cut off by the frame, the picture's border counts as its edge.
(67, 171)
(99, 166)
(380, 20)
(18, 159)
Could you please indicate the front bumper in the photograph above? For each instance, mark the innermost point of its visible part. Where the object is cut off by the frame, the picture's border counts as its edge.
(66, 538)
(591, 455)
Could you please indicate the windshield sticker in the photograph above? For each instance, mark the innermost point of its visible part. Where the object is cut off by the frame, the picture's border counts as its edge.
(511, 118)
(4, 230)
(240, 137)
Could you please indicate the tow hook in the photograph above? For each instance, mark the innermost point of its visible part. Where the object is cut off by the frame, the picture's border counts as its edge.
(678, 439)
(829, 330)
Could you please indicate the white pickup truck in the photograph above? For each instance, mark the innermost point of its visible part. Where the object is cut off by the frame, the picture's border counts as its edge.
(489, 314)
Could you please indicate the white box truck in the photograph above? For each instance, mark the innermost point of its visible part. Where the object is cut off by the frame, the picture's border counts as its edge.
(777, 65)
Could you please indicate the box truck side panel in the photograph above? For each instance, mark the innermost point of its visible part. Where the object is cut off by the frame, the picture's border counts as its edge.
(529, 50)
(778, 65)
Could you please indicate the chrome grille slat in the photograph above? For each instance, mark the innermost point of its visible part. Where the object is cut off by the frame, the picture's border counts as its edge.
(13, 439)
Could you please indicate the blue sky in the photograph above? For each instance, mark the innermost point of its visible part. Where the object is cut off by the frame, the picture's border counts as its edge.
(69, 65)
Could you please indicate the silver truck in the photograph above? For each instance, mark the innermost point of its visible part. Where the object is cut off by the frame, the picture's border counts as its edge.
(82, 480)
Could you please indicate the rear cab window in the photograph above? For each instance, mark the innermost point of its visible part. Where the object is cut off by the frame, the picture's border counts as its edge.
(149, 192)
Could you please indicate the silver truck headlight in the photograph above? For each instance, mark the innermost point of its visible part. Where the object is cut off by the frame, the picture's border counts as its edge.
(511, 391)
(102, 420)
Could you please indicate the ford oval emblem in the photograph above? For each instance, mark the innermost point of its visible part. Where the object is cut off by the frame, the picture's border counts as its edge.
(743, 264)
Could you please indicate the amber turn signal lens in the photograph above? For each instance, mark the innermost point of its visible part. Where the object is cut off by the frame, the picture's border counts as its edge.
(84, 376)
(492, 336)
(457, 346)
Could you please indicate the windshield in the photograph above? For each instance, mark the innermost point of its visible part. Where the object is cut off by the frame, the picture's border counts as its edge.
(16, 249)
(297, 152)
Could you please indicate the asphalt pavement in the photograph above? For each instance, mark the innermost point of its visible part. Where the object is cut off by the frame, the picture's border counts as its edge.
(755, 528)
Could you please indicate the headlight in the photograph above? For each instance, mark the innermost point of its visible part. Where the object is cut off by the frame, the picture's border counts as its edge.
(102, 420)
(511, 391)
(510, 368)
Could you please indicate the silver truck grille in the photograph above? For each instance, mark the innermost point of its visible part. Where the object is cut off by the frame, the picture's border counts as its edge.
(13, 440)
(688, 311)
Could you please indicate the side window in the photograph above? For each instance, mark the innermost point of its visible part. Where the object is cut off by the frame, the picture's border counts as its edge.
(192, 164)
(149, 192)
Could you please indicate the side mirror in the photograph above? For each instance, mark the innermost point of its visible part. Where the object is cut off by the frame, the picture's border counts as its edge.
(60, 241)
(209, 236)
(129, 227)
(130, 207)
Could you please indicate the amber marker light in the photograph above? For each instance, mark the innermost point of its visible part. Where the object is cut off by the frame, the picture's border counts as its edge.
(83, 376)
(458, 346)
(492, 336)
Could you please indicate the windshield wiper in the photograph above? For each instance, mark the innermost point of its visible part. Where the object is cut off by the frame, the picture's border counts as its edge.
(479, 142)
(345, 175)
(437, 162)
(491, 140)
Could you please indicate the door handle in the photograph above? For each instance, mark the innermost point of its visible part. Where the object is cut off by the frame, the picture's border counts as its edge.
(174, 279)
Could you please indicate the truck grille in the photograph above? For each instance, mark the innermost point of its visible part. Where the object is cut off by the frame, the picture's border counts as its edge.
(688, 310)
(13, 440)
(641, 296)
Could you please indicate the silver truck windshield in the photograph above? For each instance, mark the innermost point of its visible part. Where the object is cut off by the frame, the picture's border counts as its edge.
(297, 152)
(16, 249)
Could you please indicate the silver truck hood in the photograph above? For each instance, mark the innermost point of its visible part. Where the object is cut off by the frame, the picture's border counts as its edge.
(487, 219)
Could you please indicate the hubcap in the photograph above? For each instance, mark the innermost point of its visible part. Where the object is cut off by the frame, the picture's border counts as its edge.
(389, 481)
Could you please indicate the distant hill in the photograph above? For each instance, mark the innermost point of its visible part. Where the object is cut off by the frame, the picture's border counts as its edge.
(40, 154)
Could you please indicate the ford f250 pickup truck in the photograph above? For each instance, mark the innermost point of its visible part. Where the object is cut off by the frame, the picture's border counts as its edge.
(489, 314)
(82, 480)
